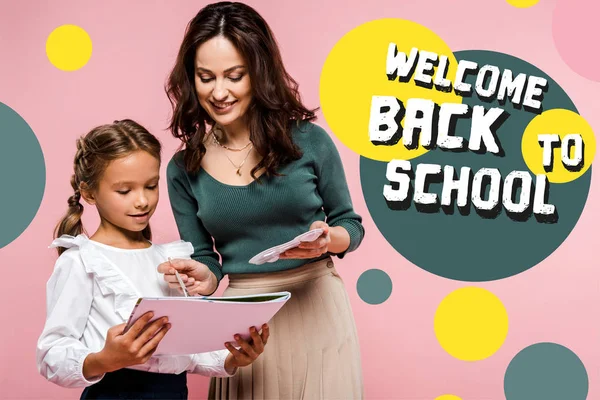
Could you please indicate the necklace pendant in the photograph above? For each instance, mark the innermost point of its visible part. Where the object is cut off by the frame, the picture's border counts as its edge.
(238, 172)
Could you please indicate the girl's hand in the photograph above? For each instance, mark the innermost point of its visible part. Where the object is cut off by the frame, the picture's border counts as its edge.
(121, 350)
(197, 277)
(312, 249)
(248, 351)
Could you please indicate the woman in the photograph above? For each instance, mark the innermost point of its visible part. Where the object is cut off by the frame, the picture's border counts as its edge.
(254, 173)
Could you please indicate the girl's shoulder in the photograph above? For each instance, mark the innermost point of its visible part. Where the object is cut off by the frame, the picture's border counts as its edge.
(70, 262)
(72, 246)
(175, 249)
(82, 248)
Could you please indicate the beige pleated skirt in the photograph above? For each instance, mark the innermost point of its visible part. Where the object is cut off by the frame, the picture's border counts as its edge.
(312, 352)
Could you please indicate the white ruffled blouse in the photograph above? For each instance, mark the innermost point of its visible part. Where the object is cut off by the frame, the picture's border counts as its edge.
(94, 287)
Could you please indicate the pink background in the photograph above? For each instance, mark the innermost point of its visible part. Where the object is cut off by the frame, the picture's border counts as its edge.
(135, 43)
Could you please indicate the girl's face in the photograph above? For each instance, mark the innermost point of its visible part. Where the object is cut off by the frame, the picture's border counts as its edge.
(127, 193)
(222, 82)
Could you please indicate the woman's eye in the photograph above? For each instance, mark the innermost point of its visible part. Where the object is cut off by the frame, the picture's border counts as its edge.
(236, 78)
(205, 79)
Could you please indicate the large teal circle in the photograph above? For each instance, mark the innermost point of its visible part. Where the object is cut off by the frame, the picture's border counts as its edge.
(470, 247)
(22, 175)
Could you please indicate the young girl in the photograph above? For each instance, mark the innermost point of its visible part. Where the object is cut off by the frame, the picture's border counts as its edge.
(97, 280)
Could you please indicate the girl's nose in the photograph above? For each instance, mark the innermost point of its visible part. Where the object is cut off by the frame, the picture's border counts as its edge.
(141, 201)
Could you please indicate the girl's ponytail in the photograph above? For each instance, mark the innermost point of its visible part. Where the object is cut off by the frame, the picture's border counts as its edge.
(71, 223)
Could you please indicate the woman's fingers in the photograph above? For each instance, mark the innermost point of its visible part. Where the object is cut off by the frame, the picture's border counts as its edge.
(304, 253)
(164, 268)
(174, 283)
(190, 282)
(315, 244)
(198, 288)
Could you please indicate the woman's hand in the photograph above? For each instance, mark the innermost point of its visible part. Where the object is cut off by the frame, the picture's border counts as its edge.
(248, 351)
(122, 350)
(313, 249)
(334, 240)
(197, 277)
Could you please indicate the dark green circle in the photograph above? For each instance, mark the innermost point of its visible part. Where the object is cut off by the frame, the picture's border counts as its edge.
(546, 371)
(22, 175)
(470, 247)
(374, 286)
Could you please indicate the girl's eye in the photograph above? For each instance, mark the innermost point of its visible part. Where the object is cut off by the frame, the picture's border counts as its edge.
(122, 191)
(152, 187)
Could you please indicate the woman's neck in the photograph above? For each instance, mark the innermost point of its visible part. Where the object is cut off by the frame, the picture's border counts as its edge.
(233, 135)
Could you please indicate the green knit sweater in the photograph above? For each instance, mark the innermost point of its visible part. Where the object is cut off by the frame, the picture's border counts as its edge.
(245, 220)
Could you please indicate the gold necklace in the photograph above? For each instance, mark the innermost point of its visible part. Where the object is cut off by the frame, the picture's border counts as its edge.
(226, 147)
(239, 167)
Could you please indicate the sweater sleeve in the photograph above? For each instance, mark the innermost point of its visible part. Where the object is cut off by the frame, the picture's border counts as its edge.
(333, 188)
(185, 211)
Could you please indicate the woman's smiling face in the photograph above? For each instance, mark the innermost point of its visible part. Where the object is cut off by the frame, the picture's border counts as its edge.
(222, 82)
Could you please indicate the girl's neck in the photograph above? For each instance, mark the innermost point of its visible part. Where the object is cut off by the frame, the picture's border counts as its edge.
(115, 236)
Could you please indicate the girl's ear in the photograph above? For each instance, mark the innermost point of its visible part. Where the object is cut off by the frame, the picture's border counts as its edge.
(86, 194)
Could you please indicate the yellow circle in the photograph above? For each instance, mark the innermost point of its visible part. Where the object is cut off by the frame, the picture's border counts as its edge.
(471, 324)
(448, 397)
(562, 123)
(355, 71)
(69, 47)
(522, 3)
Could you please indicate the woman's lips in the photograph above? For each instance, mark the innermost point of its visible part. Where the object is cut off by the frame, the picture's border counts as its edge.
(223, 108)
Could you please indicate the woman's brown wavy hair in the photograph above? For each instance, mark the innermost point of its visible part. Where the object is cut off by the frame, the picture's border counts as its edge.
(276, 104)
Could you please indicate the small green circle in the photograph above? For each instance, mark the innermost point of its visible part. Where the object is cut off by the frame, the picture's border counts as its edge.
(22, 175)
(546, 371)
(374, 286)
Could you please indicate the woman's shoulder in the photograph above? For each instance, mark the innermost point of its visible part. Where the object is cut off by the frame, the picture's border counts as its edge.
(177, 171)
(304, 128)
(306, 132)
(176, 163)
(312, 138)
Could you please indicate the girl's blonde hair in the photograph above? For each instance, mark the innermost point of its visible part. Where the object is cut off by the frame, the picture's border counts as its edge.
(95, 151)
